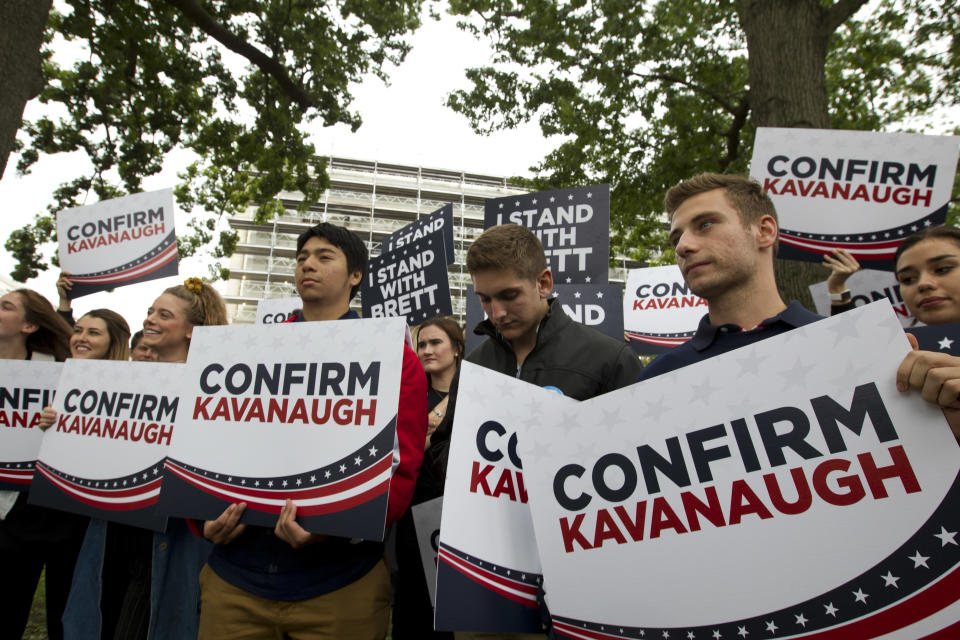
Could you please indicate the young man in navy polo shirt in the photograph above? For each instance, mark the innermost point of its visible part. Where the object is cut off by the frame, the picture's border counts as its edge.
(724, 231)
(286, 582)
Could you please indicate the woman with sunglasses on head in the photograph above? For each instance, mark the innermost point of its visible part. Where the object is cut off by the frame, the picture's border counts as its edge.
(31, 537)
(927, 266)
(149, 580)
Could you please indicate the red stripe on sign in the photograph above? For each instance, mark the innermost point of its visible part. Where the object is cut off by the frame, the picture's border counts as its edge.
(918, 606)
(331, 489)
(161, 259)
(255, 501)
(498, 584)
(126, 505)
(124, 492)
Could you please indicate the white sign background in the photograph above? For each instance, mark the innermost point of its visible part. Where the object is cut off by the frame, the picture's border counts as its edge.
(97, 458)
(276, 310)
(255, 449)
(492, 530)
(19, 446)
(111, 256)
(659, 310)
(758, 566)
(835, 215)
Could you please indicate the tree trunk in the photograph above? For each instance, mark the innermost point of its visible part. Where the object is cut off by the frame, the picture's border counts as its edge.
(22, 23)
(787, 49)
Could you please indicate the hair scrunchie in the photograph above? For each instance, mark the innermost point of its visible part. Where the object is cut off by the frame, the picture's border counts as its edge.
(193, 285)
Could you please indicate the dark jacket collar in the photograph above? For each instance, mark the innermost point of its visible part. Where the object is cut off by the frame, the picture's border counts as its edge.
(795, 315)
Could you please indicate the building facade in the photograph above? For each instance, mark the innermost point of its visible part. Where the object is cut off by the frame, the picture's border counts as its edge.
(373, 199)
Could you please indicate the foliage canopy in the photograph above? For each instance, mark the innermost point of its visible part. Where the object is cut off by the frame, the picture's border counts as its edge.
(645, 94)
(232, 81)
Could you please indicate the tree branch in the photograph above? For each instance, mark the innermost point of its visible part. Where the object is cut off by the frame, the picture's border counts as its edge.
(206, 23)
(732, 134)
(837, 14)
(716, 97)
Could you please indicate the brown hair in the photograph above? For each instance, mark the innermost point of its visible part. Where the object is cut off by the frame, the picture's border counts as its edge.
(53, 332)
(450, 327)
(942, 231)
(205, 308)
(117, 329)
(745, 195)
(507, 246)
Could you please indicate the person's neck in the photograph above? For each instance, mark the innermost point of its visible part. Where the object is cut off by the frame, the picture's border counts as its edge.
(174, 354)
(13, 349)
(441, 381)
(314, 311)
(747, 306)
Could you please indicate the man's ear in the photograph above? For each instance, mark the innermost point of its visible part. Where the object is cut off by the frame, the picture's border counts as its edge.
(767, 232)
(355, 278)
(545, 283)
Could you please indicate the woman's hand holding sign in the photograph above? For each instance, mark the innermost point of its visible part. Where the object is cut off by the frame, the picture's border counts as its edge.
(937, 376)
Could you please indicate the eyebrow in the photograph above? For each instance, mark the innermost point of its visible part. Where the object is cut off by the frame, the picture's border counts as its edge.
(304, 252)
(498, 293)
(932, 260)
(693, 220)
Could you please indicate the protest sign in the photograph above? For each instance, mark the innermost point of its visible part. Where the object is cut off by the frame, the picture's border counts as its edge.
(277, 310)
(272, 416)
(118, 242)
(426, 523)
(410, 282)
(594, 305)
(573, 225)
(866, 286)
(26, 387)
(659, 310)
(785, 489)
(440, 220)
(488, 554)
(103, 457)
(864, 191)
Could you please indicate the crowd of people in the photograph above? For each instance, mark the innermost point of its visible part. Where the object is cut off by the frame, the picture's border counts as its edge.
(224, 579)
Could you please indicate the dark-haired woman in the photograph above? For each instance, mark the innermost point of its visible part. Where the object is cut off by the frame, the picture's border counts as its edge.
(440, 348)
(927, 266)
(148, 579)
(33, 537)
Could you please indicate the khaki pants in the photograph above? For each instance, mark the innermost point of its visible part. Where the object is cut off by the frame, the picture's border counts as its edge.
(358, 611)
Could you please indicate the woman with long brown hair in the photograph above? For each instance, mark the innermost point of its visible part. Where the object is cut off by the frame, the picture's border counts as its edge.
(33, 538)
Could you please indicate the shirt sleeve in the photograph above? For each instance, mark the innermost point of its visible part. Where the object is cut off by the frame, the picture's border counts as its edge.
(411, 434)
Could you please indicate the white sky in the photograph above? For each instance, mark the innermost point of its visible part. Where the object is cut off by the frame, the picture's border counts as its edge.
(404, 123)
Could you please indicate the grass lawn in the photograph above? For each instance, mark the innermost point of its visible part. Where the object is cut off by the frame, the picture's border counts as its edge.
(37, 625)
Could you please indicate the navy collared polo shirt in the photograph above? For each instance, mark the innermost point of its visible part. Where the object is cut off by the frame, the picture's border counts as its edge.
(712, 340)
